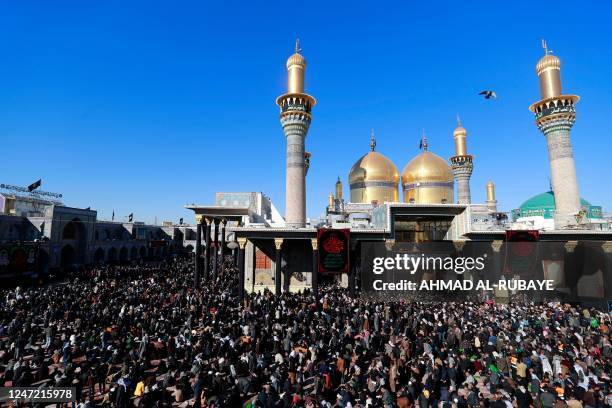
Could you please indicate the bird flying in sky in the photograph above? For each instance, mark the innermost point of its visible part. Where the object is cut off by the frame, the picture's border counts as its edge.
(488, 94)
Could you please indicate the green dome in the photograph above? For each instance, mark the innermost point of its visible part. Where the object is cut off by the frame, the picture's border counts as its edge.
(543, 205)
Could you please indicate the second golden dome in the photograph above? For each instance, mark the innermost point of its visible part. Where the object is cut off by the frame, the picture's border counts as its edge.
(427, 167)
(374, 178)
(428, 179)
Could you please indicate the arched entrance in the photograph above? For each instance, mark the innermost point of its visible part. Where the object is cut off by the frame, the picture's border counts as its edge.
(143, 252)
(112, 254)
(67, 256)
(74, 230)
(74, 234)
(99, 255)
(133, 253)
(123, 254)
(43, 261)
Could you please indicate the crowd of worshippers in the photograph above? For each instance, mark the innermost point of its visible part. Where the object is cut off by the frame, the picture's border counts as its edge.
(126, 336)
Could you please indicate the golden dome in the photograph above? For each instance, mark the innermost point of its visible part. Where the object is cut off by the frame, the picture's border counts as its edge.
(427, 167)
(373, 166)
(374, 178)
(427, 179)
(297, 58)
(548, 61)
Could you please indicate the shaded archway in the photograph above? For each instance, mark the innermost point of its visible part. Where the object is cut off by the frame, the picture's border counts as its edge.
(43, 261)
(74, 230)
(112, 254)
(67, 256)
(74, 234)
(133, 253)
(123, 254)
(143, 252)
(99, 255)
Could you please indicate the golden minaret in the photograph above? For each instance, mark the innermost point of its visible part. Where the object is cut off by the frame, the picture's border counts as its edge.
(462, 164)
(555, 114)
(491, 201)
(339, 189)
(295, 117)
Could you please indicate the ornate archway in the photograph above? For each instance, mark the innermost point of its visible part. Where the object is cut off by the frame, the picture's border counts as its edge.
(123, 254)
(112, 254)
(74, 230)
(43, 261)
(99, 255)
(74, 234)
(67, 256)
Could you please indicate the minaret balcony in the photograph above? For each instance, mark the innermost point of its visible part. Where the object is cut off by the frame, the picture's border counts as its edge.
(562, 104)
(296, 103)
(461, 160)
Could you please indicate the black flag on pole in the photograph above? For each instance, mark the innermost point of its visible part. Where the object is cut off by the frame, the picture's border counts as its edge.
(131, 217)
(34, 185)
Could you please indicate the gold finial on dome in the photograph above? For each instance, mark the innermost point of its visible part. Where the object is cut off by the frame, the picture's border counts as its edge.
(296, 58)
(544, 46)
(548, 69)
(372, 142)
(423, 146)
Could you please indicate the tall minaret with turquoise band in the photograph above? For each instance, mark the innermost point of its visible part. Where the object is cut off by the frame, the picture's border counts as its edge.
(295, 107)
(462, 165)
(555, 114)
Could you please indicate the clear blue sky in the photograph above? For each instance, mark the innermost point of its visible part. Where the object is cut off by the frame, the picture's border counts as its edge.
(144, 107)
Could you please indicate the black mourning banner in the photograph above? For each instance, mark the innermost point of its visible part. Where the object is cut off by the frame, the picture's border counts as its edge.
(334, 247)
(34, 185)
(523, 257)
(18, 258)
